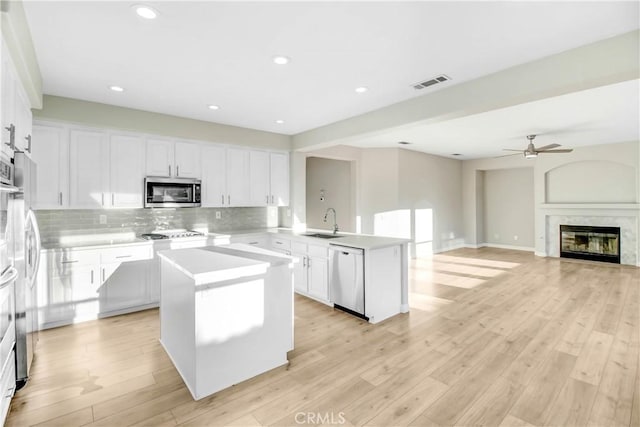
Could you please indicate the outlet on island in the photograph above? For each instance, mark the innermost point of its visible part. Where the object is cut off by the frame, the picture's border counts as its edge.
(218, 215)
(103, 219)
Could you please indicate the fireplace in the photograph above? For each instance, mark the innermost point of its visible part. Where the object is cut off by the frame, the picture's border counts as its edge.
(590, 243)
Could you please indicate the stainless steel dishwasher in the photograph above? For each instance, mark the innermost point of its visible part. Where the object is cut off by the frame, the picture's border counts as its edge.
(346, 267)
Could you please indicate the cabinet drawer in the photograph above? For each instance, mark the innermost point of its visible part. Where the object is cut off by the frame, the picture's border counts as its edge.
(7, 386)
(126, 254)
(298, 247)
(318, 251)
(69, 258)
(279, 243)
(259, 241)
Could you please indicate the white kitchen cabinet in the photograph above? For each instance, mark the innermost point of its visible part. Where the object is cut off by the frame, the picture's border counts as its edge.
(88, 169)
(126, 171)
(259, 178)
(171, 158)
(238, 189)
(257, 240)
(269, 178)
(15, 109)
(50, 151)
(187, 160)
(214, 176)
(160, 157)
(279, 179)
(311, 272)
(83, 284)
(124, 286)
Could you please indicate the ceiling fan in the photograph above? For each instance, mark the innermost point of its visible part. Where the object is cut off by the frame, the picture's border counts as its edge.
(531, 151)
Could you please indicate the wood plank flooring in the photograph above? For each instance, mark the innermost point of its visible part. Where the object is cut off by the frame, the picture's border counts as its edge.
(494, 337)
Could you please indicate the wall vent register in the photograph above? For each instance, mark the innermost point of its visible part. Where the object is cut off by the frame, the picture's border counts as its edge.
(590, 243)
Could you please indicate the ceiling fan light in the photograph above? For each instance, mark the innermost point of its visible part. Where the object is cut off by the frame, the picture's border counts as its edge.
(530, 154)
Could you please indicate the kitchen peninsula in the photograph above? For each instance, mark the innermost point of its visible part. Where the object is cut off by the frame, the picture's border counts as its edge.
(226, 313)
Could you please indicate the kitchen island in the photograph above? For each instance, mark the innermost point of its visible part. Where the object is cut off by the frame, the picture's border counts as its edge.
(226, 313)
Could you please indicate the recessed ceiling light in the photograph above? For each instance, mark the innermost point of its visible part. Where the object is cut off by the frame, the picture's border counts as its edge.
(403, 143)
(281, 60)
(145, 12)
(213, 107)
(279, 122)
(116, 88)
(361, 89)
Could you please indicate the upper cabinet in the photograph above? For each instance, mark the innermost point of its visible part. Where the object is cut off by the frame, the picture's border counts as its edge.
(269, 178)
(88, 169)
(238, 184)
(178, 159)
(50, 151)
(214, 176)
(126, 171)
(16, 110)
(85, 168)
(279, 179)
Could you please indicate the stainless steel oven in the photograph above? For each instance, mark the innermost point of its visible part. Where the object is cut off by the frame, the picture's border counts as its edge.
(171, 192)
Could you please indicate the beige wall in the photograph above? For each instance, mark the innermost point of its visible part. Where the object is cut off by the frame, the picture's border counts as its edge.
(113, 117)
(508, 208)
(624, 154)
(431, 188)
(333, 179)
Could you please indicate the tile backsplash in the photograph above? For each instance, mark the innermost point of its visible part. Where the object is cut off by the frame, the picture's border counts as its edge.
(69, 222)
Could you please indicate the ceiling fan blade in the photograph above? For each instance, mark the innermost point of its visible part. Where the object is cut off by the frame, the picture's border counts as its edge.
(546, 147)
(567, 150)
(509, 149)
(508, 155)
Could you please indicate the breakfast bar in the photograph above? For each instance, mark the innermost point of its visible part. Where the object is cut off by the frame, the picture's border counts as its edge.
(226, 313)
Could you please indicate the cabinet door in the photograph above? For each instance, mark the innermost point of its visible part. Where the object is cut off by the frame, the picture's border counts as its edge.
(238, 177)
(125, 285)
(72, 295)
(318, 277)
(300, 272)
(88, 169)
(50, 151)
(8, 100)
(126, 177)
(23, 119)
(214, 176)
(187, 160)
(279, 175)
(259, 178)
(160, 157)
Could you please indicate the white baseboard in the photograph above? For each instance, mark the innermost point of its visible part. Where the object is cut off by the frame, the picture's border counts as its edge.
(498, 246)
(541, 254)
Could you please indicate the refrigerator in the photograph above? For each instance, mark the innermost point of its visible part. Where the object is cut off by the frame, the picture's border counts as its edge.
(26, 261)
(23, 252)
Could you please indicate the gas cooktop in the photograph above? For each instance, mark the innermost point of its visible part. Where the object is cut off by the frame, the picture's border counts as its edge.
(170, 234)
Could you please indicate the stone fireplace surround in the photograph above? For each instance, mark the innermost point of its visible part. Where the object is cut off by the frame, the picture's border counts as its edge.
(628, 223)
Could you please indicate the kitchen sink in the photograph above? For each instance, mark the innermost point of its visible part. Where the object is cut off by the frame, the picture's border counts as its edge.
(322, 236)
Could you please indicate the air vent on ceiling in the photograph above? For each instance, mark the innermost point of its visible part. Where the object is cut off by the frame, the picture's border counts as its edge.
(434, 81)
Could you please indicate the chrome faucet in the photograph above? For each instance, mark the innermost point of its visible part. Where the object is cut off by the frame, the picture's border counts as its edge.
(335, 221)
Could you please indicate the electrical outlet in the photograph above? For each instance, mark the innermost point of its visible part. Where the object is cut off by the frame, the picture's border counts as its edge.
(218, 215)
(288, 213)
(515, 237)
(496, 236)
(103, 219)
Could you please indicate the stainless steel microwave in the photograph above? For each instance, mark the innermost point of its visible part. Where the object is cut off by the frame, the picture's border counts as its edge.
(171, 192)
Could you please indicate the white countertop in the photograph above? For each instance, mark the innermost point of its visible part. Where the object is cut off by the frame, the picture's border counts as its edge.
(93, 244)
(361, 241)
(212, 264)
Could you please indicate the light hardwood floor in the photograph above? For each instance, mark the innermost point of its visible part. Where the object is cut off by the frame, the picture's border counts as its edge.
(494, 337)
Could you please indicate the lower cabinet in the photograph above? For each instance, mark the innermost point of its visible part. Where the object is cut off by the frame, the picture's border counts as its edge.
(83, 284)
(311, 272)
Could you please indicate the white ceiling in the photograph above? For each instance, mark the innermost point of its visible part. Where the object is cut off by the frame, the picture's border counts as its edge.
(200, 53)
(603, 115)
